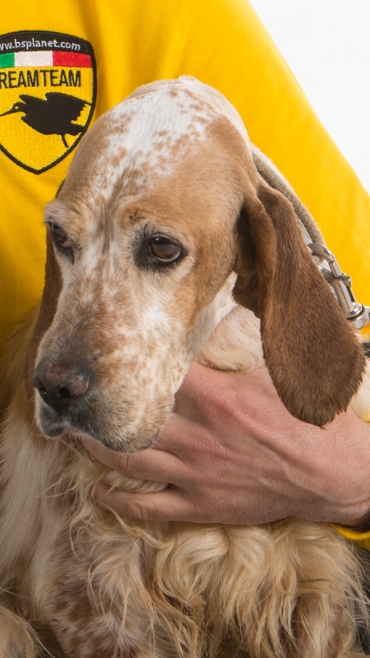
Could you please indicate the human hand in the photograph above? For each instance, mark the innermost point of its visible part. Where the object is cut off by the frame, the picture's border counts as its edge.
(233, 454)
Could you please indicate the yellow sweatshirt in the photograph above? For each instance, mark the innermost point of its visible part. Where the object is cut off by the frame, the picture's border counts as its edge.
(63, 64)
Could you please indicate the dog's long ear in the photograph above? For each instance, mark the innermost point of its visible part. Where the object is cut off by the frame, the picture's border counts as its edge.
(52, 288)
(312, 353)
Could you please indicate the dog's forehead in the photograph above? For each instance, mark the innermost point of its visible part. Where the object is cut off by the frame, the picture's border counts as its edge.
(168, 113)
(148, 133)
(144, 137)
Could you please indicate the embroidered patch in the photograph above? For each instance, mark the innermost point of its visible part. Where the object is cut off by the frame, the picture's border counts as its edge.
(47, 96)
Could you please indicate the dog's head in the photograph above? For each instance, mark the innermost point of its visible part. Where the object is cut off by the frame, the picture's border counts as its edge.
(161, 205)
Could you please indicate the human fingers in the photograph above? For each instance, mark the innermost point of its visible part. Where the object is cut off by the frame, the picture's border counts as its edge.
(172, 504)
(195, 506)
(150, 464)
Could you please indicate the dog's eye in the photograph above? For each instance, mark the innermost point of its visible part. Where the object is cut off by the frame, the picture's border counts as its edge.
(60, 236)
(158, 252)
(164, 250)
(61, 239)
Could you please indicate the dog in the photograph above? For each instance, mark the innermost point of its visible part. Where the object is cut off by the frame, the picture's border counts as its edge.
(164, 245)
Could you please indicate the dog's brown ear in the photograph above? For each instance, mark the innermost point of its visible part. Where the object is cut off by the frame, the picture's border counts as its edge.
(313, 356)
(52, 288)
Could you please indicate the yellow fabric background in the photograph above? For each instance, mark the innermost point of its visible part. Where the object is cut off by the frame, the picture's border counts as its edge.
(222, 43)
(360, 538)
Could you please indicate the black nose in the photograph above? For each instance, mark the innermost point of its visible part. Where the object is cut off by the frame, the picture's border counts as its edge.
(61, 386)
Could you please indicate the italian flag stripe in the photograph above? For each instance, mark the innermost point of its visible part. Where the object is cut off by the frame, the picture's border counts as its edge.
(45, 58)
(65, 58)
(6, 61)
(34, 58)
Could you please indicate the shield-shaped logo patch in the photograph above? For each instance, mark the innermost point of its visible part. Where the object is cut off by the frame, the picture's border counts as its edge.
(47, 96)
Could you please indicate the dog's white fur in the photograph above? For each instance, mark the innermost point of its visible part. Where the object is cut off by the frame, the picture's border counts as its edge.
(103, 586)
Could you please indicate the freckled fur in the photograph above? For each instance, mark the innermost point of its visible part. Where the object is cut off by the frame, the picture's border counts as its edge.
(80, 580)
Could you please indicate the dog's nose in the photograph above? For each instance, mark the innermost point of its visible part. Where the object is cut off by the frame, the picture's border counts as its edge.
(61, 386)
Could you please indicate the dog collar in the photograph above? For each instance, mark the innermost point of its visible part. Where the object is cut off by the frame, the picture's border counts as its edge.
(357, 314)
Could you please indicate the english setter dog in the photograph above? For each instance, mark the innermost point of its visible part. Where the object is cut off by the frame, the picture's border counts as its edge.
(165, 245)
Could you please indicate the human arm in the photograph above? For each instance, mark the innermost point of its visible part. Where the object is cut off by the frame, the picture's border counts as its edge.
(233, 454)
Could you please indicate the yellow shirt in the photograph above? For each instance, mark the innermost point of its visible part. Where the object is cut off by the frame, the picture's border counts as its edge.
(84, 56)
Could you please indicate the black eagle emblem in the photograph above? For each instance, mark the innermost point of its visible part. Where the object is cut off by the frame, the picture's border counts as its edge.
(51, 116)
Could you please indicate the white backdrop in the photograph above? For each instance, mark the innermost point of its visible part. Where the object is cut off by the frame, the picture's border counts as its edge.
(327, 46)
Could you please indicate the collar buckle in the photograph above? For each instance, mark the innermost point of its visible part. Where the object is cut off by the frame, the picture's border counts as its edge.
(357, 314)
